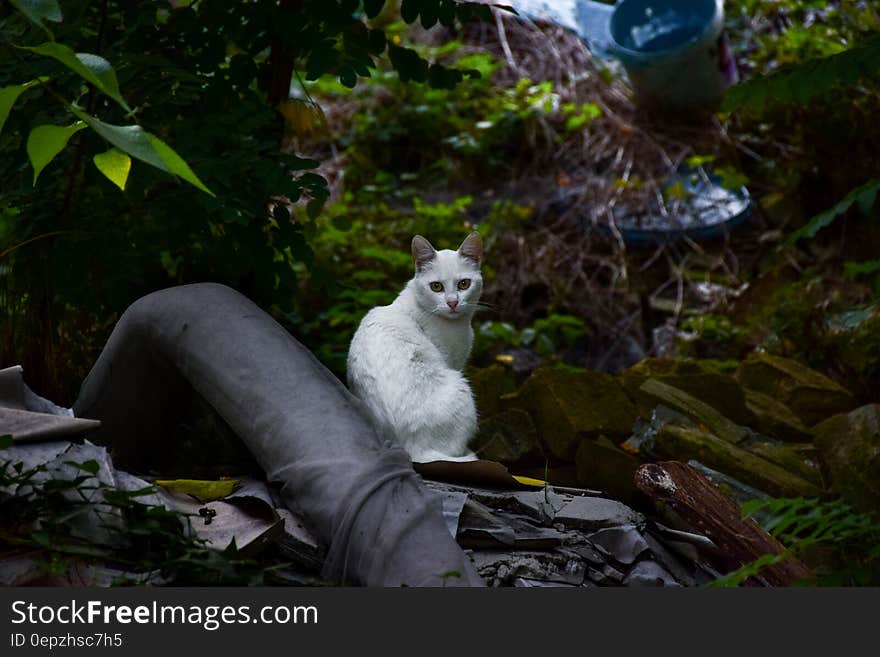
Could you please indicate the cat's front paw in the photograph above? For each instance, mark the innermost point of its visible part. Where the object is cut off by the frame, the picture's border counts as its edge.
(470, 456)
(430, 455)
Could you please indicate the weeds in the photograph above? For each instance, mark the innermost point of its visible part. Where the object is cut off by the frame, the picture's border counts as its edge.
(68, 521)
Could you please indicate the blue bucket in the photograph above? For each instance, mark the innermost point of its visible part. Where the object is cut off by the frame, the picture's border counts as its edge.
(674, 51)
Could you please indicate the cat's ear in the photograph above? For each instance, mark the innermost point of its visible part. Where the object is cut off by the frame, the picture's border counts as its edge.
(422, 252)
(472, 247)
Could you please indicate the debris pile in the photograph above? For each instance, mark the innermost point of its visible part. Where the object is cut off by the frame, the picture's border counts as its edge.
(637, 480)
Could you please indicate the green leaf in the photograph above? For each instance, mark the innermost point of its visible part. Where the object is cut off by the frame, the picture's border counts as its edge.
(175, 163)
(544, 345)
(142, 145)
(373, 7)
(231, 550)
(8, 96)
(314, 207)
(750, 569)
(429, 15)
(91, 466)
(474, 11)
(6, 441)
(46, 141)
(441, 77)
(408, 64)
(38, 11)
(115, 165)
(854, 269)
(342, 223)
(576, 122)
(348, 78)
(696, 161)
(802, 82)
(409, 10)
(731, 178)
(298, 163)
(863, 196)
(446, 13)
(92, 68)
(376, 41)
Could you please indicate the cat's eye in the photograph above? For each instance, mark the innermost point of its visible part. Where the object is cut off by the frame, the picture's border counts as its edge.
(437, 286)
(464, 283)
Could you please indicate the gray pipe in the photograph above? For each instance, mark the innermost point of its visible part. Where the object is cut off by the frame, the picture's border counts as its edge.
(383, 527)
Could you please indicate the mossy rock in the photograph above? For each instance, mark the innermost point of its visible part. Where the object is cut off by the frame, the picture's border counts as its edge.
(855, 337)
(774, 418)
(811, 395)
(489, 385)
(849, 447)
(604, 466)
(568, 405)
(699, 412)
(508, 437)
(684, 443)
(699, 379)
(785, 457)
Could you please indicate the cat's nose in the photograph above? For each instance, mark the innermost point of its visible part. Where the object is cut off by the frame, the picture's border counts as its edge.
(452, 303)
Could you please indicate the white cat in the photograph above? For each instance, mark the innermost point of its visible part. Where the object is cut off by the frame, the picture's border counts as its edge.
(406, 359)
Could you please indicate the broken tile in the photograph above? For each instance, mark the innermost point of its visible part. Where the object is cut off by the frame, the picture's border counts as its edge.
(479, 528)
(525, 582)
(649, 573)
(612, 573)
(670, 562)
(624, 543)
(585, 551)
(597, 513)
(540, 505)
(501, 568)
(529, 535)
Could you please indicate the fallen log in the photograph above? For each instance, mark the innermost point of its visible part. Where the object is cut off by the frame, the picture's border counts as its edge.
(690, 502)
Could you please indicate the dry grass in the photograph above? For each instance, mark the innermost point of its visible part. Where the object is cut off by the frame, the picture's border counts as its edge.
(620, 162)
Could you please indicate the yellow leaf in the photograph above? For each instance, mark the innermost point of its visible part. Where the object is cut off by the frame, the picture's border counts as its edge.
(528, 481)
(302, 119)
(115, 165)
(204, 491)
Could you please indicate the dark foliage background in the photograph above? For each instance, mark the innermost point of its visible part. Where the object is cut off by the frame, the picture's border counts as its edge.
(207, 78)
